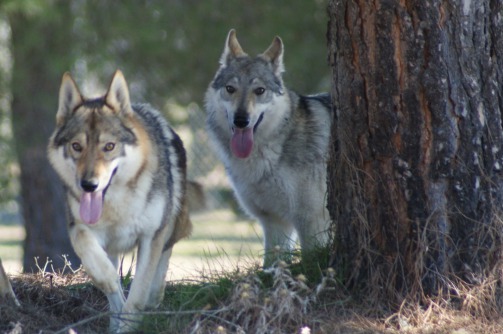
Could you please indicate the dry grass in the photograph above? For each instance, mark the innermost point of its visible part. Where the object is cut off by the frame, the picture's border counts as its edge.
(232, 298)
(279, 300)
(51, 302)
(254, 307)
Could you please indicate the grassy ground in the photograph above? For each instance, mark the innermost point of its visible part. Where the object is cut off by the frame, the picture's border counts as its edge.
(245, 301)
(216, 286)
(220, 241)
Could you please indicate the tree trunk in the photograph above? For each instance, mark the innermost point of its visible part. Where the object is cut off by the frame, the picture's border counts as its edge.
(415, 186)
(38, 68)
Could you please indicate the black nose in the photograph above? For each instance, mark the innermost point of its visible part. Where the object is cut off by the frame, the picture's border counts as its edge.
(88, 186)
(241, 121)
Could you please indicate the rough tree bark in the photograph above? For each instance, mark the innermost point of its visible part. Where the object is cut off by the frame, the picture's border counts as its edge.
(39, 63)
(415, 183)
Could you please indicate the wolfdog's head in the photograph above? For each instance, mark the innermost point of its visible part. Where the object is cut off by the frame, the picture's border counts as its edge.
(90, 138)
(248, 92)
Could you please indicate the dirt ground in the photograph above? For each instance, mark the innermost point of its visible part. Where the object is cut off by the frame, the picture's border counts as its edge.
(70, 304)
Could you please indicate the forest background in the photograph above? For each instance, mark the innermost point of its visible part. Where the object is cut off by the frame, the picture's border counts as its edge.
(168, 51)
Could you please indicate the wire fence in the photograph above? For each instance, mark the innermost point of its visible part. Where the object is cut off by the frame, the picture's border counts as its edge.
(204, 167)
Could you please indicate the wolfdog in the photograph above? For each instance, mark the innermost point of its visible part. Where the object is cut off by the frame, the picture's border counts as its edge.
(273, 144)
(124, 172)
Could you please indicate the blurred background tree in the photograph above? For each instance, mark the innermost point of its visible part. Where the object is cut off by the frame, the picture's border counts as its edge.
(169, 52)
(42, 50)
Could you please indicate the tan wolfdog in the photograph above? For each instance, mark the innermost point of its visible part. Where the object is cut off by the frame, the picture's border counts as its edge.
(124, 171)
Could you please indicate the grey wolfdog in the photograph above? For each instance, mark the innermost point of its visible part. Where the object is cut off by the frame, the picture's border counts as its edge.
(273, 144)
(124, 172)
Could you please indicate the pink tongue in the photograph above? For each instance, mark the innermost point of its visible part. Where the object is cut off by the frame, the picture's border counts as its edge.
(242, 142)
(91, 205)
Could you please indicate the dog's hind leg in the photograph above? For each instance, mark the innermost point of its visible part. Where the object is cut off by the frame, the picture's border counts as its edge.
(308, 233)
(150, 253)
(159, 282)
(312, 230)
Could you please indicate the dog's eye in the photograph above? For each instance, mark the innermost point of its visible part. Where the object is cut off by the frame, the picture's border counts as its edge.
(109, 147)
(259, 91)
(77, 147)
(230, 89)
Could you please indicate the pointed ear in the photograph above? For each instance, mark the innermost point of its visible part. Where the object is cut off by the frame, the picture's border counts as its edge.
(274, 54)
(232, 48)
(69, 98)
(118, 94)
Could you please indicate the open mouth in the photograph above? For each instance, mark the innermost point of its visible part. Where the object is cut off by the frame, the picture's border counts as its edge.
(91, 204)
(242, 140)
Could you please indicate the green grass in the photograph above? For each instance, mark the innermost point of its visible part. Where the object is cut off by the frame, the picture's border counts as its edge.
(213, 301)
(185, 300)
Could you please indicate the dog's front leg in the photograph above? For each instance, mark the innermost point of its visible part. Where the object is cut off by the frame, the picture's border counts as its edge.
(98, 265)
(277, 233)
